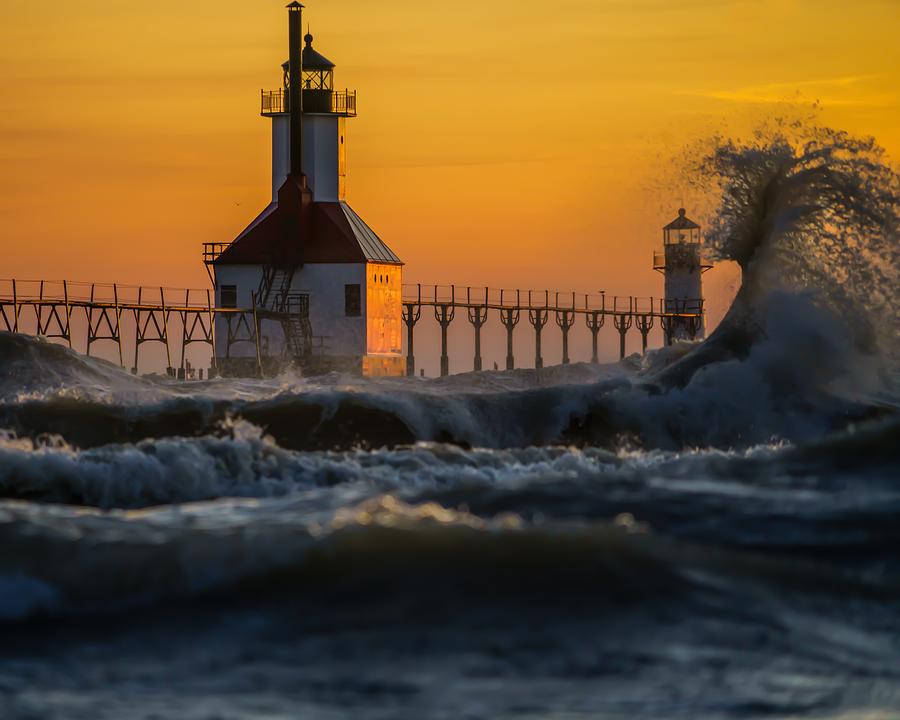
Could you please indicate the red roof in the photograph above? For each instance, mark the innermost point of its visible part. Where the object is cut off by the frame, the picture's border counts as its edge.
(297, 231)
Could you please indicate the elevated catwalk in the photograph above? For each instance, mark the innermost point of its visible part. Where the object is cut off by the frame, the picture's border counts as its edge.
(132, 316)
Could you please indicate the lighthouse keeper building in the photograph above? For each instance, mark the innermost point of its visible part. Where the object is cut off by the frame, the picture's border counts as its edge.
(327, 290)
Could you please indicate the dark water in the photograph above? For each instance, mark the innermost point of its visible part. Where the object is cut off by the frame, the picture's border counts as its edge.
(712, 532)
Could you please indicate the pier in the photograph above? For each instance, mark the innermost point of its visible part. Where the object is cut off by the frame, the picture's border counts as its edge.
(127, 316)
(538, 307)
(131, 317)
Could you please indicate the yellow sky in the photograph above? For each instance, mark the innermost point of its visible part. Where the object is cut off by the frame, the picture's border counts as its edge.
(501, 142)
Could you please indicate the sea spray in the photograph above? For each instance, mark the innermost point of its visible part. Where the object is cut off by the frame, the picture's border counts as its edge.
(809, 208)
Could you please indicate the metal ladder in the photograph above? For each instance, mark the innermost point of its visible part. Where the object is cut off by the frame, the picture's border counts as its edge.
(296, 325)
(274, 288)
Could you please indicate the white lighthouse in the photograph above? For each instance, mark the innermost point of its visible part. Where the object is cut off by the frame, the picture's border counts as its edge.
(325, 289)
(682, 264)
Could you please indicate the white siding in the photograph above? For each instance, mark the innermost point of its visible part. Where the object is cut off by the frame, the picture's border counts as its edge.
(683, 284)
(281, 152)
(344, 336)
(246, 278)
(684, 280)
(321, 154)
(324, 283)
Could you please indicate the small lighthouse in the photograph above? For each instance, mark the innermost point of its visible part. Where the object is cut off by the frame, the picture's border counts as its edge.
(682, 265)
(325, 289)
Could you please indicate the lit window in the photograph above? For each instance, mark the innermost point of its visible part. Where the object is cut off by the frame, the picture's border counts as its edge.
(352, 301)
(228, 296)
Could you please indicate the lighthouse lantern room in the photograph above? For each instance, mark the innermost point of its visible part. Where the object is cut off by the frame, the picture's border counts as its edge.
(325, 289)
(682, 265)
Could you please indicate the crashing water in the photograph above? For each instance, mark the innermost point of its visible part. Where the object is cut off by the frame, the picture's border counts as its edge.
(710, 533)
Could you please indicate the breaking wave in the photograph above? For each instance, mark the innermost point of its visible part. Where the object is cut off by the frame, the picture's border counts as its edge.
(383, 544)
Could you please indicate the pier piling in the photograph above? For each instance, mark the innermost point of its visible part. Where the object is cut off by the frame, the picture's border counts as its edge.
(478, 316)
(595, 320)
(538, 318)
(565, 319)
(444, 314)
(644, 326)
(623, 325)
(412, 312)
(510, 316)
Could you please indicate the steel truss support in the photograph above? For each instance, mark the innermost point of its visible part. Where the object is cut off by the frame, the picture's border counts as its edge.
(103, 316)
(240, 328)
(196, 326)
(16, 309)
(53, 318)
(150, 326)
(9, 317)
(257, 327)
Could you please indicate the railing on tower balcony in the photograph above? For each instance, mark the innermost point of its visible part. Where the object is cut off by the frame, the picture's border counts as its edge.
(338, 102)
(660, 264)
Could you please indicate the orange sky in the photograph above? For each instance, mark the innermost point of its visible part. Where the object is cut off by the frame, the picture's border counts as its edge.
(507, 142)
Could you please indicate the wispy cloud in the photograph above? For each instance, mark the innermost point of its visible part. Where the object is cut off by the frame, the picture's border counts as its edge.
(845, 90)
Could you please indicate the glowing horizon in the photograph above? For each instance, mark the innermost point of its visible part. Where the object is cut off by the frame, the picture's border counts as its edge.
(496, 144)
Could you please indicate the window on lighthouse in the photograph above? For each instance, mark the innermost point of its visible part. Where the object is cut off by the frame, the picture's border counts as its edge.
(228, 296)
(318, 79)
(352, 300)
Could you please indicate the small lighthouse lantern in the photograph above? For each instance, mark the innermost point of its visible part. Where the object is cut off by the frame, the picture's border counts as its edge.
(682, 230)
(681, 263)
(318, 72)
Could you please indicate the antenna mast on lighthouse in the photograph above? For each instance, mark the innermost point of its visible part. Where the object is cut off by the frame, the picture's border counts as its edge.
(295, 64)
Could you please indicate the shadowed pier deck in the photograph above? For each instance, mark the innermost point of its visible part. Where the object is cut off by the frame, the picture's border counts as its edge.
(131, 316)
(538, 306)
(173, 317)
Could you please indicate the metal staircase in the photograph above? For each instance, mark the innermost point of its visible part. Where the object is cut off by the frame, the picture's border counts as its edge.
(274, 288)
(297, 327)
(290, 309)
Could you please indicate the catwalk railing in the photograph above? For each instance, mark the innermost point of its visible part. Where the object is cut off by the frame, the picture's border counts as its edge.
(175, 318)
(315, 100)
(179, 318)
(676, 318)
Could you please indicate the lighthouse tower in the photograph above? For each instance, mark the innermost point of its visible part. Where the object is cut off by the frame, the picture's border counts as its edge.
(325, 290)
(682, 264)
(325, 113)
